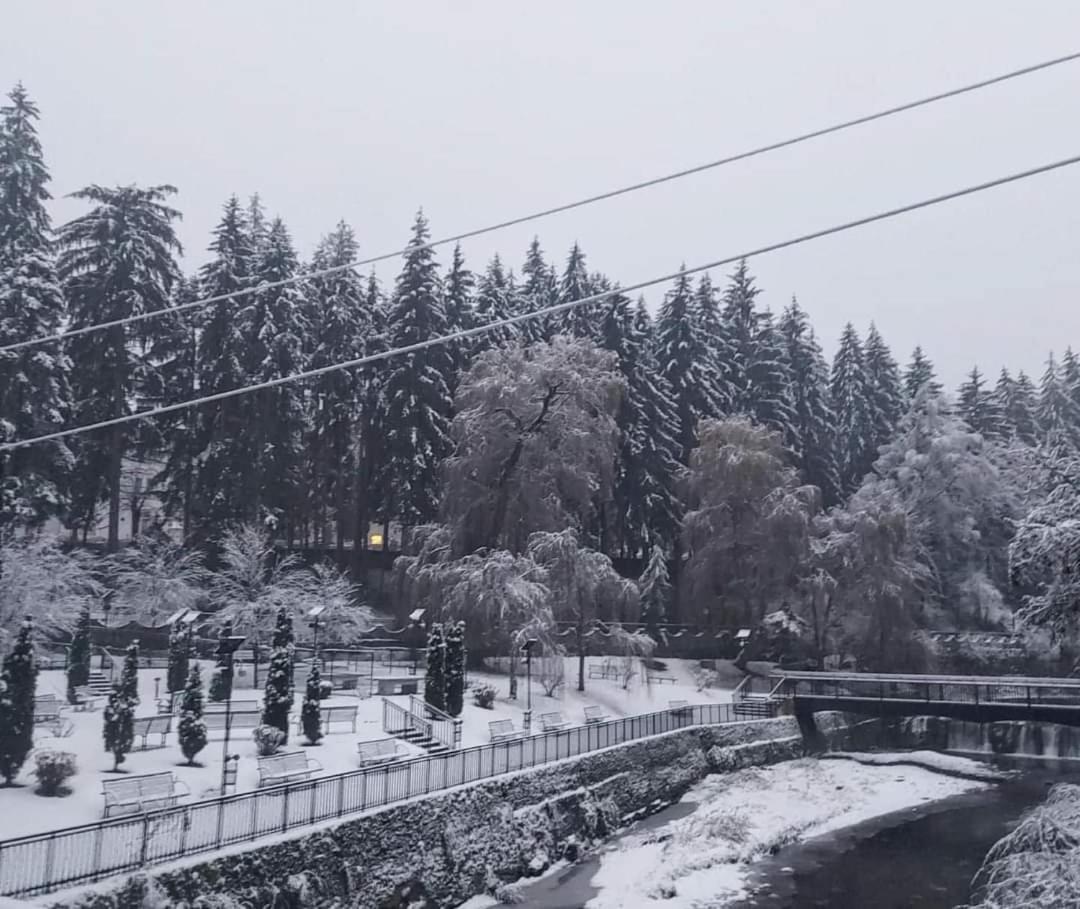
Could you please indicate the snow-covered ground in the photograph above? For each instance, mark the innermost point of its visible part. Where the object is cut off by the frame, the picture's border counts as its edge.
(704, 858)
(24, 812)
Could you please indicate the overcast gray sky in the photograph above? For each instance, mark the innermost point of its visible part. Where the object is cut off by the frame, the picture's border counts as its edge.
(483, 110)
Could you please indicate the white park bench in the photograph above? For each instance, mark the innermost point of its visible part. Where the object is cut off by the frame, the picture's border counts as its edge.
(337, 713)
(86, 699)
(679, 708)
(234, 706)
(47, 714)
(552, 722)
(147, 726)
(504, 731)
(379, 751)
(660, 679)
(595, 715)
(282, 768)
(142, 793)
(243, 719)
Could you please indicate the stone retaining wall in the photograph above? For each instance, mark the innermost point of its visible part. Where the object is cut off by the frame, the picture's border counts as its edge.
(444, 848)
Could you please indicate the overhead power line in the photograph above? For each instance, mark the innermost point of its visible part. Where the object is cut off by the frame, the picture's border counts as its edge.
(558, 209)
(546, 311)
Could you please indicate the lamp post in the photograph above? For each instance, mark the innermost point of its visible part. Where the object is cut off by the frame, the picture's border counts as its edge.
(527, 649)
(226, 649)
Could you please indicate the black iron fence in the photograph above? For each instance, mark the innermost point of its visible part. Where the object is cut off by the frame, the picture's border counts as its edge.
(31, 865)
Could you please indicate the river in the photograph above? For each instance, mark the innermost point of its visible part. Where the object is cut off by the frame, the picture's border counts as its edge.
(921, 858)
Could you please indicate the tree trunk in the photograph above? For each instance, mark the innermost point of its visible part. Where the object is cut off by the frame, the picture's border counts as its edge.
(581, 650)
(116, 441)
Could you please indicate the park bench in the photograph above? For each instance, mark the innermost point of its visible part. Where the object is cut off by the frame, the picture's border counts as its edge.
(679, 708)
(243, 719)
(606, 671)
(595, 715)
(661, 679)
(379, 751)
(504, 731)
(47, 714)
(142, 793)
(85, 699)
(234, 706)
(553, 722)
(282, 768)
(147, 726)
(337, 713)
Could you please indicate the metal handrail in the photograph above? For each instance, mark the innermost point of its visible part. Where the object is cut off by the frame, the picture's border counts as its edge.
(901, 678)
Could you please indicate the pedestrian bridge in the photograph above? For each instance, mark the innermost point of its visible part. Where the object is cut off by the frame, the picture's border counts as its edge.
(981, 699)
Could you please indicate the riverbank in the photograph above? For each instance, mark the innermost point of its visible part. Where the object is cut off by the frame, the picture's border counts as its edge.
(705, 858)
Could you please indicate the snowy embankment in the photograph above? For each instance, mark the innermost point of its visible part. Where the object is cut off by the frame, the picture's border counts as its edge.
(704, 858)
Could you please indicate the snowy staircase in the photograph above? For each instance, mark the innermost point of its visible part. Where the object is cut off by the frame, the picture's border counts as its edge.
(420, 724)
(421, 740)
(99, 684)
(756, 698)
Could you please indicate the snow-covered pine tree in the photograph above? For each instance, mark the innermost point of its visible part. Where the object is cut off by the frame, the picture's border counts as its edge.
(655, 586)
(278, 697)
(274, 323)
(116, 261)
(415, 418)
(18, 685)
(1056, 415)
(342, 328)
(1016, 400)
(919, 372)
(538, 291)
(493, 303)
(191, 732)
(221, 680)
(684, 363)
(455, 668)
(850, 395)
(78, 658)
(435, 675)
(285, 639)
(884, 386)
(35, 390)
(258, 228)
(118, 728)
(1070, 377)
(759, 373)
(311, 709)
(219, 495)
(978, 407)
(720, 364)
(575, 284)
(129, 673)
(460, 284)
(646, 504)
(814, 415)
(179, 657)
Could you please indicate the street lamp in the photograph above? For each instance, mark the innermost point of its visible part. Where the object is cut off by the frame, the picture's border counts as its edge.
(314, 614)
(527, 649)
(226, 650)
(416, 636)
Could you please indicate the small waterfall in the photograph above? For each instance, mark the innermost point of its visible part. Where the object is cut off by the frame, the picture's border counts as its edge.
(1038, 740)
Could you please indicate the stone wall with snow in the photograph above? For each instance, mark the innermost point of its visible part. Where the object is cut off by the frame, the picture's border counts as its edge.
(447, 847)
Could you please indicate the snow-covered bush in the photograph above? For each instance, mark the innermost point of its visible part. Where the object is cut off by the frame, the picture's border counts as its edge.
(192, 729)
(484, 696)
(268, 739)
(278, 697)
(119, 722)
(18, 683)
(311, 711)
(326, 690)
(52, 769)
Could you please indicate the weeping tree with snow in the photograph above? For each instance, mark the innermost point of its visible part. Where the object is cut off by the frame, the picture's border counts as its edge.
(44, 582)
(455, 668)
(18, 685)
(435, 677)
(634, 648)
(278, 697)
(311, 711)
(180, 648)
(192, 729)
(78, 668)
(156, 577)
(584, 585)
(1044, 555)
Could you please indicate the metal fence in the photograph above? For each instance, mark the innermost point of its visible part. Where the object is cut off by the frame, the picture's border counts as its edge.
(43, 862)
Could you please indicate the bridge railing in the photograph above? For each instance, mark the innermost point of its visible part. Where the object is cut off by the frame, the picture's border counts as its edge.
(931, 688)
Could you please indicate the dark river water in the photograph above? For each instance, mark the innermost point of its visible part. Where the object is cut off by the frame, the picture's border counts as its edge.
(922, 858)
